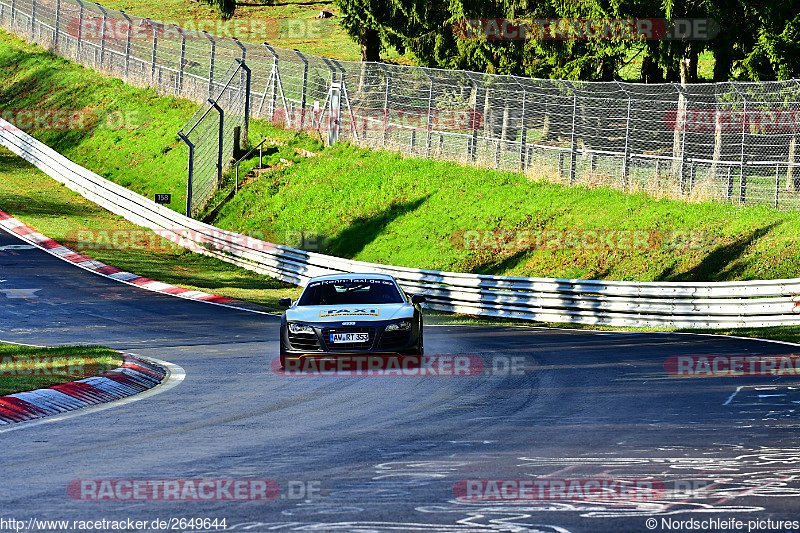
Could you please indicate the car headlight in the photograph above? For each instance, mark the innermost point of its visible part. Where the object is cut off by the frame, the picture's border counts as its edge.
(405, 325)
(300, 328)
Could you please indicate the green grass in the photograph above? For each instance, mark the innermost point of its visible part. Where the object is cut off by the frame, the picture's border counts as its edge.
(13, 372)
(375, 207)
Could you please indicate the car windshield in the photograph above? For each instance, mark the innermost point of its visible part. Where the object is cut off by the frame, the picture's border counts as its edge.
(351, 291)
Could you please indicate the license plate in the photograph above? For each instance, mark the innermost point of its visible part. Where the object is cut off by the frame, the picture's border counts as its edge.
(349, 337)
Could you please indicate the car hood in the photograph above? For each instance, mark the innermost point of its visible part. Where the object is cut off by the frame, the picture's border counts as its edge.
(349, 313)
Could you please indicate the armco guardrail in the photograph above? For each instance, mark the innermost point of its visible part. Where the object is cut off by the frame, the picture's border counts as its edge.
(615, 303)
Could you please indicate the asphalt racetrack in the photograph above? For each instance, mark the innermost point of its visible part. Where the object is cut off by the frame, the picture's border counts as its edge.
(391, 453)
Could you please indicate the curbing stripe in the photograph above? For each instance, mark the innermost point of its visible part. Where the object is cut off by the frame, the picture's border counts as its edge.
(174, 376)
(134, 376)
(52, 247)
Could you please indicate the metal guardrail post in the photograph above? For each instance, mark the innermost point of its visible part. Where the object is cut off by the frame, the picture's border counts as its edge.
(80, 29)
(573, 143)
(182, 64)
(742, 161)
(58, 24)
(242, 47)
(155, 48)
(475, 122)
(211, 64)
(128, 42)
(191, 174)
(342, 72)
(277, 86)
(730, 184)
(627, 154)
(246, 69)
(102, 34)
(523, 144)
(429, 121)
(220, 139)
(386, 99)
(304, 87)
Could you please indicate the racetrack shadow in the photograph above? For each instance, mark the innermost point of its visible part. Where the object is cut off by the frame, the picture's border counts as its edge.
(724, 263)
(363, 230)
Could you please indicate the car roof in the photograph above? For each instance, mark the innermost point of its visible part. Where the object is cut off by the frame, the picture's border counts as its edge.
(352, 276)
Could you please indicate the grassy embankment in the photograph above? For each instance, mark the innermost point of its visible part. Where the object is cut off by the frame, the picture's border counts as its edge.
(374, 206)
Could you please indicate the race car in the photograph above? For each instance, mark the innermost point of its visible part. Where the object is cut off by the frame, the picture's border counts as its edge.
(347, 314)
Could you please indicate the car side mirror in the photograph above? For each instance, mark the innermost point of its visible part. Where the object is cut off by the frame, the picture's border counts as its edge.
(285, 302)
(417, 298)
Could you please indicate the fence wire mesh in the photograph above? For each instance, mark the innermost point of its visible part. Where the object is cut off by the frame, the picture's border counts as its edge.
(210, 136)
(733, 141)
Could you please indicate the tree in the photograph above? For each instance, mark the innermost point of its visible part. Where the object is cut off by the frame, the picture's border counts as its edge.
(369, 23)
(758, 39)
(226, 8)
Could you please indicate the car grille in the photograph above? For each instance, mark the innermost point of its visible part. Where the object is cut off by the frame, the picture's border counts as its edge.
(394, 339)
(338, 346)
(304, 341)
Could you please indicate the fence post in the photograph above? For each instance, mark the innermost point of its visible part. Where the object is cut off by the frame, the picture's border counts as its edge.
(346, 96)
(429, 121)
(182, 60)
(573, 144)
(58, 23)
(191, 174)
(742, 162)
(684, 179)
(626, 155)
(246, 100)
(219, 139)
(791, 172)
(128, 43)
(277, 84)
(777, 183)
(304, 88)
(211, 64)
(80, 29)
(475, 123)
(33, 20)
(155, 47)
(523, 145)
(102, 35)
(503, 134)
(730, 184)
(386, 97)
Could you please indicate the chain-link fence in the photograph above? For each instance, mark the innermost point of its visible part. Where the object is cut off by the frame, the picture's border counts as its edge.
(731, 141)
(209, 135)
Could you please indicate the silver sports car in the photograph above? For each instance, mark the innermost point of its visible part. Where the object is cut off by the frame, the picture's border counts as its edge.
(349, 314)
